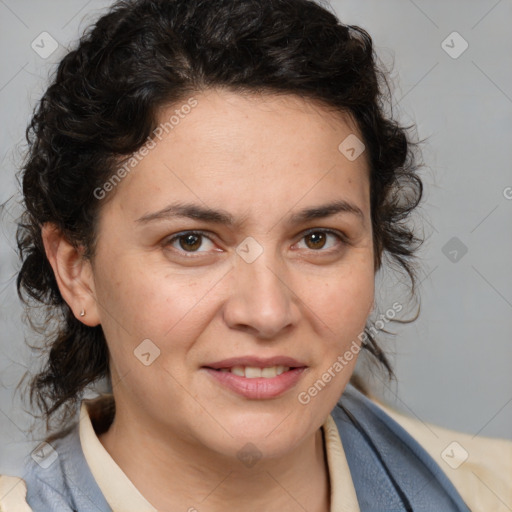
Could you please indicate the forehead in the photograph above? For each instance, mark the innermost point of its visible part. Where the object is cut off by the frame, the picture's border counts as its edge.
(268, 125)
(241, 150)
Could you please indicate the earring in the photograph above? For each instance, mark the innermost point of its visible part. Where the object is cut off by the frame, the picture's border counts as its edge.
(82, 313)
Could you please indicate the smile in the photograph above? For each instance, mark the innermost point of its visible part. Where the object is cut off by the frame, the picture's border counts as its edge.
(256, 383)
(253, 372)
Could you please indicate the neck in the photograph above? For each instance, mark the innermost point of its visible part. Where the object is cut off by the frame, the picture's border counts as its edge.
(174, 474)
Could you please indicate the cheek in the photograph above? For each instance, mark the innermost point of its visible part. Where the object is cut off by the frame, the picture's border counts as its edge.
(144, 302)
(342, 306)
(344, 300)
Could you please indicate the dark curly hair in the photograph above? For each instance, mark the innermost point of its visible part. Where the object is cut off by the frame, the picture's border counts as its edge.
(102, 106)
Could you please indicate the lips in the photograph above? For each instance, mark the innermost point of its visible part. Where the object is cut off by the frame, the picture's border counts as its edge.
(253, 372)
(257, 378)
(256, 362)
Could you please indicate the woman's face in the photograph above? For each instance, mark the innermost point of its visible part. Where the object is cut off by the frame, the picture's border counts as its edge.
(271, 276)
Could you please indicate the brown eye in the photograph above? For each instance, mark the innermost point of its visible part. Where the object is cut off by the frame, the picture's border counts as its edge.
(323, 240)
(190, 242)
(316, 240)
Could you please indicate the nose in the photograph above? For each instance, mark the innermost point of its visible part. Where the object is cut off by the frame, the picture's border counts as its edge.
(261, 301)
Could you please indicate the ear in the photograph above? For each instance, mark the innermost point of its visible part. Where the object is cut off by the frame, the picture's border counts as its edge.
(73, 274)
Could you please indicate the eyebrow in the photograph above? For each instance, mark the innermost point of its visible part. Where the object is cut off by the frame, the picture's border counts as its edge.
(205, 214)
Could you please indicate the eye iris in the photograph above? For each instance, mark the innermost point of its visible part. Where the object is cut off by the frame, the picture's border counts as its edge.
(318, 240)
(190, 242)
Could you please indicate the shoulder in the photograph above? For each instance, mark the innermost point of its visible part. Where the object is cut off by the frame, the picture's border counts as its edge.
(474, 469)
(480, 468)
(13, 492)
(387, 463)
(56, 477)
(44, 474)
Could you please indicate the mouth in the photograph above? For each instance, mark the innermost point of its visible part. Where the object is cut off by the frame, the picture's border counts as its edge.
(255, 372)
(257, 378)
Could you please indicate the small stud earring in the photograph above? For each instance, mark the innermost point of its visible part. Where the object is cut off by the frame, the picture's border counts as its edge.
(82, 313)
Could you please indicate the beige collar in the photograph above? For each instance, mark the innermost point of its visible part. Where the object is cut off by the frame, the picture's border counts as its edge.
(123, 496)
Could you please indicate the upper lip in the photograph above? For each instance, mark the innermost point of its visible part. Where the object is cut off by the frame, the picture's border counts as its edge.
(258, 362)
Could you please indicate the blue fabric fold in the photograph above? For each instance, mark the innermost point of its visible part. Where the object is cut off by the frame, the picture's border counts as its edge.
(390, 470)
(67, 485)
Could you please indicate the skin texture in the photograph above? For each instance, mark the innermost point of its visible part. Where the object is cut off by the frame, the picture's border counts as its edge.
(177, 432)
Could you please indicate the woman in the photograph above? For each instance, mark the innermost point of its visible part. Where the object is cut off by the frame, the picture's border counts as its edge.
(210, 190)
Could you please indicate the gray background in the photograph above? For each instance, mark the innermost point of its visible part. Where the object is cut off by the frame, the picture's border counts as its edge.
(453, 364)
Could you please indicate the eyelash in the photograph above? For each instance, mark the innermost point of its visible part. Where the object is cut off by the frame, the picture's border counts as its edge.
(342, 238)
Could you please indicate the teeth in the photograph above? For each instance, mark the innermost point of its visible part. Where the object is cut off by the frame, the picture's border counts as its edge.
(238, 370)
(252, 372)
(268, 373)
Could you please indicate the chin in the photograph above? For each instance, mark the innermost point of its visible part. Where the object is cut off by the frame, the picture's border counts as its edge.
(269, 436)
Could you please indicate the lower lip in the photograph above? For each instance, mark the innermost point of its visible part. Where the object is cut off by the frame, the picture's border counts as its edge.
(259, 388)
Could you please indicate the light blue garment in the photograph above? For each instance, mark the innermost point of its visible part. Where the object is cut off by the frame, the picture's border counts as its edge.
(390, 470)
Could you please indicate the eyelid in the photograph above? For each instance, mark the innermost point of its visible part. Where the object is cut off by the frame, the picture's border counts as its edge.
(341, 236)
(343, 239)
(169, 240)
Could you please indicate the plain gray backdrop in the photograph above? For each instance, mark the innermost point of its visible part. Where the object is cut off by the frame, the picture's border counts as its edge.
(452, 77)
